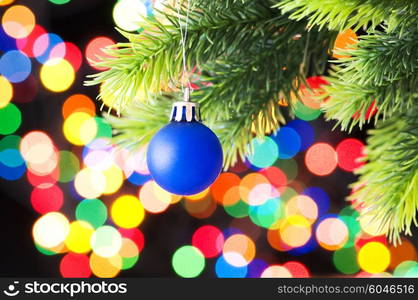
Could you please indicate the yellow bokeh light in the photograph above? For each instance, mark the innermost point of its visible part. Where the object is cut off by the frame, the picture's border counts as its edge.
(128, 13)
(6, 2)
(198, 196)
(18, 21)
(114, 179)
(78, 239)
(105, 267)
(374, 257)
(57, 75)
(50, 230)
(295, 231)
(127, 211)
(90, 183)
(80, 128)
(372, 225)
(6, 89)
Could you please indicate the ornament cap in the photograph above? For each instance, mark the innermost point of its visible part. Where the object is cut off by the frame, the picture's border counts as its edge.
(185, 111)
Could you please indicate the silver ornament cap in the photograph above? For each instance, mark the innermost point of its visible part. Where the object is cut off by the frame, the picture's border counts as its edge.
(185, 111)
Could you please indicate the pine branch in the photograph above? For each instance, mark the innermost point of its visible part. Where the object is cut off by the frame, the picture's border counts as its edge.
(151, 61)
(239, 94)
(382, 71)
(389, 181)
(140, 121)
(343, 14)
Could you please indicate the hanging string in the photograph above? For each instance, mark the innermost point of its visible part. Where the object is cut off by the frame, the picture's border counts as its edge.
(183, 35)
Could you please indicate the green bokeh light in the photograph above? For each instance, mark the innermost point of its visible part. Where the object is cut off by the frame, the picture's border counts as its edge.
(104, 130)
(238, 210)
(92, 211)
(68, 165)
(11, 118)
(268, 213)
(345, 260)
(10, 142)
(59, 2)
(406, 268)
(129, 262)
(306, 113)
(188, 262)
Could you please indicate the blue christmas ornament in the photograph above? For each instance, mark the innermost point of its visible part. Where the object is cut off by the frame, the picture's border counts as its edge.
(184, 157)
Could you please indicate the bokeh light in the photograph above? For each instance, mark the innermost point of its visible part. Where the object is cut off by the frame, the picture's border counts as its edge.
(321, 159)
(12, 114)
(46, 200)
(349, 151)
(57, 75)
(105, 267)
(374, 257)
(106, 241)
(288, 141)
(276, 271)
(51, 229)
(154, 199)
(127, 14)
(209, 240)
(18, 21)
(225, 270)
(127, 211)
(80, 128)
(92, 211)
(238, 250)
(90, 183)
(78, 103)
(15, 66)
(188, 261)
(94, 50)
(332, 233)
(6, 91)
(74, 265)
(265, 152)
(78, 239)
(345, 40)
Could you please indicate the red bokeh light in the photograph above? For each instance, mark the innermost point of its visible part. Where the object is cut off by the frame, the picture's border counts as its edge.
(69, 52)
(94, 50)
(209, 240)
(297, 269)
(45, 200)
(348, 152)
(75, 266)
(276, 177)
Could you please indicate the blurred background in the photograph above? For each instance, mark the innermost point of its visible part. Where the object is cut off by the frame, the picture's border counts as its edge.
(72, 205)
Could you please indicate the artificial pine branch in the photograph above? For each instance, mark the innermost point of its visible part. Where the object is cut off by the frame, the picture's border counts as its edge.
(342, 14)
(388, 183)
(249, 59)
(151, 60)
(382, 70)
